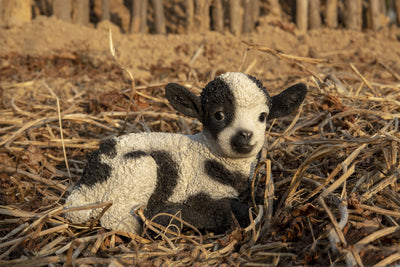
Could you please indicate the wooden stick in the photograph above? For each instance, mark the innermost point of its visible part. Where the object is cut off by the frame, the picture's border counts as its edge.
(302, 15)
(331, 19)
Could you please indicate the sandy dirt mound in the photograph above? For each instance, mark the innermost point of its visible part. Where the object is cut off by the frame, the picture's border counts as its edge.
(153, 57)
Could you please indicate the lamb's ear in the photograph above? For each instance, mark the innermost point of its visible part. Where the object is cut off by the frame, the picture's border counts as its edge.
(287, 101)
(183, 100)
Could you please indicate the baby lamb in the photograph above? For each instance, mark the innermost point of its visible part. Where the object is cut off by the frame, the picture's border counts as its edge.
(196, 177)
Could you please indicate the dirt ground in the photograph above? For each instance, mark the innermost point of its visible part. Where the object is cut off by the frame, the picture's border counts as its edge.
(158, 58)
(49, 67)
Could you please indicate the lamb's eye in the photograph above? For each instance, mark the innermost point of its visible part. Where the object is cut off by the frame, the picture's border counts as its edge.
(219, 116)
(263, 117)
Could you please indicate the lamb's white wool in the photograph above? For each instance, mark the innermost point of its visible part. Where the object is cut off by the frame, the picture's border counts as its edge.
(246, 92)
(133, 180)
(198, 176)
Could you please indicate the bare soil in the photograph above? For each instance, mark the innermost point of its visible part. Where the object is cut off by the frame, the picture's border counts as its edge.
(154, 57)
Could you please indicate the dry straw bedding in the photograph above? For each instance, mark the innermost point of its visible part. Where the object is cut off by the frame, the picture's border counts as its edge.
(328, 186)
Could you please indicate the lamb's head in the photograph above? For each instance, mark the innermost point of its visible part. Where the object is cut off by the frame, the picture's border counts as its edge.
(234, 109)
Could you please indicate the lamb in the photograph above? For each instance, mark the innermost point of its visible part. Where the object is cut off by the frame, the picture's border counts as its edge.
(199, 176)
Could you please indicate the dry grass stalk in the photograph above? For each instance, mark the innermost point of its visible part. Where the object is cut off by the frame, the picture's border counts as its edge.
(61, 129)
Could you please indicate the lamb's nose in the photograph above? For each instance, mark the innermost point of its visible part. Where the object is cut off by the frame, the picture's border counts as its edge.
(246, 135)
(240, 142)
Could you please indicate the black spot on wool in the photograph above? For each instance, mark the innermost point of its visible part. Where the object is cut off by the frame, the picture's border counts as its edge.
(200, 210)
(95, 171)
(135, 154)
(217, 96)
(167, 179)
(262, 88)
(219, 173)
(204, 213)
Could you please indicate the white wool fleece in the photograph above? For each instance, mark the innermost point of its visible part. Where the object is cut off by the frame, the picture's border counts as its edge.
(133, 180)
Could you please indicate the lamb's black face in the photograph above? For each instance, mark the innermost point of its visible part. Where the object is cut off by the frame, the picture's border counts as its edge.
(217, 106)
(234, 111)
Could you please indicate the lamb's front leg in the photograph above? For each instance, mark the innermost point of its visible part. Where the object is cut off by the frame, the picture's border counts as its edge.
(204, 213)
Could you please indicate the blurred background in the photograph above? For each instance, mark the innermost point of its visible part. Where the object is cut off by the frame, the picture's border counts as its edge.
(185, 16)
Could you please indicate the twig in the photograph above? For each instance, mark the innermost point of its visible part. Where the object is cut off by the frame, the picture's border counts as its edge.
(360, 75)
(61, 129)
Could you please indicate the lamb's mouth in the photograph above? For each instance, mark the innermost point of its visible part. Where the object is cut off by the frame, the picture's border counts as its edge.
(243, 148)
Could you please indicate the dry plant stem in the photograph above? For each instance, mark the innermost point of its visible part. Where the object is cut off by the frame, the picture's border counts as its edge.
(51, 248)
(132, 79)
(55, 184)
(339, 181)
(67, 246)
(377, 99)
(360, 75)
(98, 217)
(297, 177)
(283, 56)
(353, 259)
(151, 114)
(333, 220)
(335, 235)
(344, 216)
(112, 51)
(92, 144)
(155, 99)
(252, 226)
(38, 224)
(253, 181)
(61, 129)
(74, 244)
(78, 251)
(388, 260)
(244, 56)
(269, 195)
(147, 87)
(40, 261)
(381, 211)
(257, 220)
(45, 120)
(251, 66)
(397, 76)
(87, 207)
(256, 233)
(181, 221)
(196, 54)
(14, 232)
(153, 226)
(9, 211)
(16, 242)
(372, 237)
(289, 58)
(381, 185)
(22, 112)
(339, 167)
(288, 131)
(376, 235)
